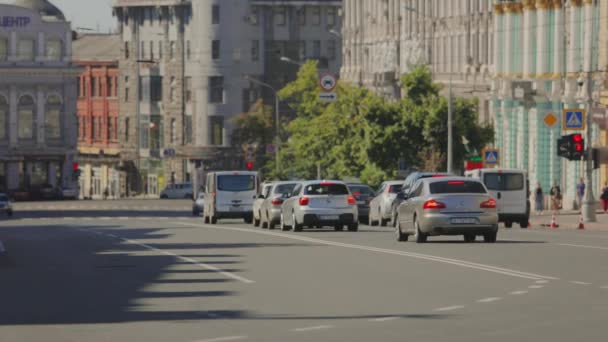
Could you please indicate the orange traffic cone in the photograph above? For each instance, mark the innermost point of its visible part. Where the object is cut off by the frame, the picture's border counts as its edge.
(581, 224)
(553, 223)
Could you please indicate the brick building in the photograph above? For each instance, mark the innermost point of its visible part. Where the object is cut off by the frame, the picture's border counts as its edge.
(98, 146)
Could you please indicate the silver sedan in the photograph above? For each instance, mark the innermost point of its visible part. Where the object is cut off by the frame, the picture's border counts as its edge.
(318, 204)
(380, 206)
(270, 211)
(447, 206)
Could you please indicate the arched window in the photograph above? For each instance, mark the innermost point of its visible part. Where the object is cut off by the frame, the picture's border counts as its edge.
(52, 118)
(54, 49)
(25, 114)
(3, 117)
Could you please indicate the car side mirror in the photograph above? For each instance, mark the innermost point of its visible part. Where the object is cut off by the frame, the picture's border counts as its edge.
(402, 196)
(261, 197)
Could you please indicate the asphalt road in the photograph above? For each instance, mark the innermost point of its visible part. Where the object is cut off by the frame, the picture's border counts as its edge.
(149, 271)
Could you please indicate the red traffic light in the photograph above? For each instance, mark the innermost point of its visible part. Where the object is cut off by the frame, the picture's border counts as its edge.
(578, 147)
(75, 166)
(249, 166)
(577, 138)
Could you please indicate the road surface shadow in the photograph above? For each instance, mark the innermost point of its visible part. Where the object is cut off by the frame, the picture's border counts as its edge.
(505, 242)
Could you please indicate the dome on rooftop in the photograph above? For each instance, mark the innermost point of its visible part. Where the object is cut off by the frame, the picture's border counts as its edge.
(45, 8)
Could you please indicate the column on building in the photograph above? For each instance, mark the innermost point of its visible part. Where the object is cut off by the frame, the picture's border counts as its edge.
(499, 33)
(529, 43)
(558, 56)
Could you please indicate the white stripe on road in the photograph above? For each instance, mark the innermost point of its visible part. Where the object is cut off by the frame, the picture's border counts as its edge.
(192, 261)
(318, 327)
(583, 246)
(517, 293)
(456, 262)
(536, 286)
(450, 308)
(604, 287)
(489, 300)
(223, 339)
(384, 319)
(579, 282)
(541, 281)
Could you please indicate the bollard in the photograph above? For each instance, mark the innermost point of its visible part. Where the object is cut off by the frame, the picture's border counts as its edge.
(581, 224)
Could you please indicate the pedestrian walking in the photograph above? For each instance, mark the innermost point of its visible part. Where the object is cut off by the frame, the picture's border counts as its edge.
(556, 198)
(580, 192)
(538, 199)
(604, 198)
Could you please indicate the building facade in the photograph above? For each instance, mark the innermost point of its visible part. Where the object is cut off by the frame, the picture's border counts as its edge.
(37, 98)
(544, 50)
(183, 66)
(98, 147)
(385, 39)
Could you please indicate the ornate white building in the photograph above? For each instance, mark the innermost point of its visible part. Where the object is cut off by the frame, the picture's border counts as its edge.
(384, 39)
(38, 86)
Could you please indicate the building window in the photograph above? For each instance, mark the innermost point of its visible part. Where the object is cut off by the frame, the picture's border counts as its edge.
(216, 89)
(172, 50)
(215, 14)
(302, 49)
(302, 16)
(316, 15)
(188, 50)
(25, 50)
(160, 50)
(255, 50)
(54, 49)
(151, 49)
(3, 49)
(172, 89)
(156, 88)
(127, 129)
(254, 18)
(142, 53)
(331, 49)
(3, 118)
(215, 49)
(217, 130)
(126, 94)
(188, 89)
(95, 86)
(126, 50)
(331, 16)
(52, 118)
(279, 15)
(173, 133)
(188, 129)
(316, 49)
(25, 113)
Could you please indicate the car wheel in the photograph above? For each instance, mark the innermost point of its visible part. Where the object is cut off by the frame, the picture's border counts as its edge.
(524, 224)
(383, 222)
(284, 227)
(508, 224)
(338, 227)
(164, 197)
(353, 227)
(248, 219)
(195, 212)
(469, 238)
(400, 235)
(256, 222)
(296, 226)
(213, 220)
(370, 220)
(419, 236)
(9, 213)
(206, 219)
(490, 237)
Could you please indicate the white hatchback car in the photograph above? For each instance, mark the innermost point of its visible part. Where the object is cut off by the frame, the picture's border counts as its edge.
(177, 191)
(318, 204)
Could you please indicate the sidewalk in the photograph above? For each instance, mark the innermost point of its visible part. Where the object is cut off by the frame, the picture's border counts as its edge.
(569, 219)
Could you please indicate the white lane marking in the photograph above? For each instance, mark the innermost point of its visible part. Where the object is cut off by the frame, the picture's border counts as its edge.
(536, 286)
(384, 319)
(541, 281)
(456, 262)
(222, 339)
(583, 246)
(604, 287)
(192, 261)
(579, 282)
(489, 300)
(450, 308)
(318, 327)
(517, 293)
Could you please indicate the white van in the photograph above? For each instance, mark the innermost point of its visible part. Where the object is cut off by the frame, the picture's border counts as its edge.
(230, 194)
(511, 189)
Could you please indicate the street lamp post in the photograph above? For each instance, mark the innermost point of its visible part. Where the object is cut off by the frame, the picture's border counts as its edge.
(277, 138)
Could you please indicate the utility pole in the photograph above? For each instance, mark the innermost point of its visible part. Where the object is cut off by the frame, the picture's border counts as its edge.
(588, 209)
(450, 124)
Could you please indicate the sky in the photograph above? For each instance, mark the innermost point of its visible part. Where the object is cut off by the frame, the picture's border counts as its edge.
(89, 14)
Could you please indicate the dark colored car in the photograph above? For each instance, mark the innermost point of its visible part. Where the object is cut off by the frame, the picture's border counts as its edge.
(405, 189)
(364, 195)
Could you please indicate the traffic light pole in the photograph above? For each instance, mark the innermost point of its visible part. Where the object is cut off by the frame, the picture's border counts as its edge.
(588, 209)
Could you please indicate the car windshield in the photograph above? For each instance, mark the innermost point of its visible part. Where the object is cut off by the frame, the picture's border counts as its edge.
(284, 188)
(395, 189)
(361, 190)
(235, 183)
(504, 181)
(457, 187)
(326, 189)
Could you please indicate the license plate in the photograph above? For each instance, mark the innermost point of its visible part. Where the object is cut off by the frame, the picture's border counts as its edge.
(464, 220)
(235, 209)
(329, 217)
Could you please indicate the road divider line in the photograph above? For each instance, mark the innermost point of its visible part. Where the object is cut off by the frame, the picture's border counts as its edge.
(517, 293)
(224, 339)
(318, 327)
(450, 308)
(384, 319)
(541, 281)
(536, 286)
(189, 260)
(489, 300)
(461, 263)
(583, 246)
(604, 287)
(579, 282)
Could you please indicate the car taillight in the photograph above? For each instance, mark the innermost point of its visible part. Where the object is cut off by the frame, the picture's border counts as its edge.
(304, 200)
(277, 201)
(351, 200)
(489, 204)
(432, 204)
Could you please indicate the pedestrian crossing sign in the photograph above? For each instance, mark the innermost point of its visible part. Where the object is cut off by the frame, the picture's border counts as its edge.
(574, 119)
(491, 157)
